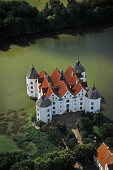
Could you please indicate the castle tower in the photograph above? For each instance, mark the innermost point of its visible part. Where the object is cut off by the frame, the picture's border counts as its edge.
(44, 109)
(78, 68)
(92, 100)
(31, 81)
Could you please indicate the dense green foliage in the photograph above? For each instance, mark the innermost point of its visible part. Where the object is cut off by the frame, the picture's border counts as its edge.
(98, 118)
(95, 129)
(61, 160)
(64, 159)
(84, 124)
(40, 139)
(106, 130)
(85, 153)
(109, 141)
(18, 18)
(71, 140)
(9, 158)
(55, 131)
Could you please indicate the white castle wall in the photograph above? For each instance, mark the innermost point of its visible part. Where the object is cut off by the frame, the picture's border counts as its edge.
(32, 89)
(92, 105)
(43, 114)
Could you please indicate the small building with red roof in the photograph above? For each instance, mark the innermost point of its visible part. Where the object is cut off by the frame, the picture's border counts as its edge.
(104, 157)
(67, 91)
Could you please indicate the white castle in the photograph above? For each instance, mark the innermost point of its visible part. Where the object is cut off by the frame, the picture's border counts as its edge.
(61, 92)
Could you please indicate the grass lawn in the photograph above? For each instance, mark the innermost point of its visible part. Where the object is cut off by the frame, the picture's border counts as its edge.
(7, 144)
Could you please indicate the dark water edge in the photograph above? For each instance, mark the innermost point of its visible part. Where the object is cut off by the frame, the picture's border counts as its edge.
(27, 39)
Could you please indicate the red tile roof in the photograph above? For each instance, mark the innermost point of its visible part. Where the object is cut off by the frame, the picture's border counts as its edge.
(71, 79)
(104, 155)
(62, 90)
(45, 85)
(55, 77)
(54, 85)
(77, 87)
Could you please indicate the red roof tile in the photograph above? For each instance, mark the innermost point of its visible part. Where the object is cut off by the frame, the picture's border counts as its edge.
(104, 155)
(71, 79)
(53, 83)
(55, 77)
(62, 90)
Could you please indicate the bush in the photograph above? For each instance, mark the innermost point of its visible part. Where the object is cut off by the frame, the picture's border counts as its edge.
(33, 118)
(40, 123)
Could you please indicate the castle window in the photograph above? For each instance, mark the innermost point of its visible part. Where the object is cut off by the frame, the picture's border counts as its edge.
(60, 106)
(48, 120)
(55, 97)
(47, 110)
(92, 108)
(60, 110)
(70, 95)
(92, 103)
(67, 101)
(54, 107)
(80, 108)
(31, 82)
(81, 103)
(81, 98)
(48, 115)
(38, 118)
(31, 91)
(53, 103)
(31, 87)
(53, 112)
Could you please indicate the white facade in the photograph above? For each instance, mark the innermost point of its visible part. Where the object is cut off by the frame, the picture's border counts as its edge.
(32, 90)
(68, 103)
(92, 105)
(43, 114)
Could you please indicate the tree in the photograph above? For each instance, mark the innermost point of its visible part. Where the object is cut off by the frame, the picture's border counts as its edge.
(85, 153)
(9, 158)
(98, 118)
(109, 141)
(23, 165)
(84, 124)
(106, 130)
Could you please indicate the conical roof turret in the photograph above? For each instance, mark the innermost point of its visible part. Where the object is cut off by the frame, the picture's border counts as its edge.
(43, 102)
(32, 74)
(78, 67)
(93, 93)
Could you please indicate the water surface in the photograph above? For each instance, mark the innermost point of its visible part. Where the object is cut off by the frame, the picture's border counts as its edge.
(95, 51)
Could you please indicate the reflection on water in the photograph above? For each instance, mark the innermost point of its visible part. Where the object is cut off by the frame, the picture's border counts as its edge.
(95, 51)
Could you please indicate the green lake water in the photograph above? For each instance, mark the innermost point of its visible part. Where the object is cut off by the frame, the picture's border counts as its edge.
(95, 51)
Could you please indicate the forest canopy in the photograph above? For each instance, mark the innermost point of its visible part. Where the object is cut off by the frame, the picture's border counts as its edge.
(18, 17)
